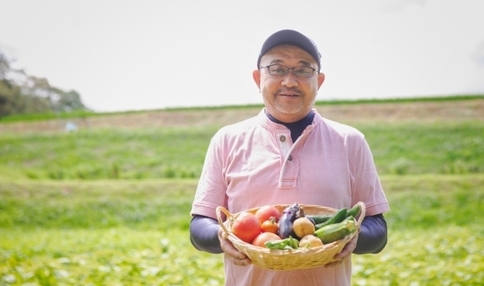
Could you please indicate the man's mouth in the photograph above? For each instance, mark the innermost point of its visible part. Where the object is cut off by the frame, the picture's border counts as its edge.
(288, 93)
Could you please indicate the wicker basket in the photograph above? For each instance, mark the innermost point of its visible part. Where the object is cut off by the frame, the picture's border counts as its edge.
(300, 258)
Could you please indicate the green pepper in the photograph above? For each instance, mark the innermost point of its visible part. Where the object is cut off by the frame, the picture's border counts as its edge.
(283, 244)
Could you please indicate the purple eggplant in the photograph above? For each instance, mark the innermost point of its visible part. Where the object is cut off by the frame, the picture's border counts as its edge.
(289, 215)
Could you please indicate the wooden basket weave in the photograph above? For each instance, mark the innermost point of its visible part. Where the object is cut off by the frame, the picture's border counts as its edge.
(300, 258)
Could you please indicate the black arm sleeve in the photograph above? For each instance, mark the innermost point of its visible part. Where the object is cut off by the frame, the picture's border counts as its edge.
(372, 238)
(204, 234)
(373, 235)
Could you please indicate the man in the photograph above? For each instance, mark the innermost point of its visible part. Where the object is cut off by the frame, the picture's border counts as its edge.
(288, 153)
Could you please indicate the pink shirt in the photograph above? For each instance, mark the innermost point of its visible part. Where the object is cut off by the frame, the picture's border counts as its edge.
(254, 163)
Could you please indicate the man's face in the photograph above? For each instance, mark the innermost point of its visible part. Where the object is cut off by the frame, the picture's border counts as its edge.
(288, 98)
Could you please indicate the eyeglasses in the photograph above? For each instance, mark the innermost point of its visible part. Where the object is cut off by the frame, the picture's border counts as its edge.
(280, 71)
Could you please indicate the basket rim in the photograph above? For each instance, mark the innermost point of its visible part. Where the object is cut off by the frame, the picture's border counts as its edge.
(299, 258)
(235, 240)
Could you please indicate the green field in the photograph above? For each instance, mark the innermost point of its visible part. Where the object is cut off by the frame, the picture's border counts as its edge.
(453, 148)
(111, 206)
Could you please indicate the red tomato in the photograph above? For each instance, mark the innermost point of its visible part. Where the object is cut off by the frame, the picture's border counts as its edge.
(270, 225)
(264, 237)
(246, 227)
(266, 212)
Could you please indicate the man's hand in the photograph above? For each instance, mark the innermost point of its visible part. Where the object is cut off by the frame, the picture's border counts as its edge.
(228, 248)
(345, 252)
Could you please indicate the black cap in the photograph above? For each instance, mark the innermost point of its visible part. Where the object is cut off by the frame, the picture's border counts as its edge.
(290, 37)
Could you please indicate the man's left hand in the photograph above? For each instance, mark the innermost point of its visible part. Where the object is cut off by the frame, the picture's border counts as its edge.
(345, 252)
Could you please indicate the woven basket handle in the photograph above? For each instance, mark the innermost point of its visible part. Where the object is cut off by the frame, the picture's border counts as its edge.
(362, 213)
(219, 212)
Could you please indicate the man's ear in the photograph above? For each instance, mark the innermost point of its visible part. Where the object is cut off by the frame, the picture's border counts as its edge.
(256, 77)
(321, 78)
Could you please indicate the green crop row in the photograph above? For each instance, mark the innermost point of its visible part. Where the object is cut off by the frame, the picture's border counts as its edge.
(179, 153)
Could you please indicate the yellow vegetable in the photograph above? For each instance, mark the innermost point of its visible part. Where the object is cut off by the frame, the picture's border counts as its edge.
(310, 241)
(303, 226)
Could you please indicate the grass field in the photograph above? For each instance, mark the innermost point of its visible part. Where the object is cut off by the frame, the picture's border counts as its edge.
(136, 233)
(110, 206)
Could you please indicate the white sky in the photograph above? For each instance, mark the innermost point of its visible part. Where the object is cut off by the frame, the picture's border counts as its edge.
(129, 55)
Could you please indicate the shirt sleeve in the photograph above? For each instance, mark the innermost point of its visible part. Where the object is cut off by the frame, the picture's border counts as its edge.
(367, 187)
(211, 188)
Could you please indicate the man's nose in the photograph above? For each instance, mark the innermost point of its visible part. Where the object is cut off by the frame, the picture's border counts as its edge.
(290, 79)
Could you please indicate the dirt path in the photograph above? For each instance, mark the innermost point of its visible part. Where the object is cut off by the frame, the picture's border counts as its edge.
(431, 111)
(454, 110)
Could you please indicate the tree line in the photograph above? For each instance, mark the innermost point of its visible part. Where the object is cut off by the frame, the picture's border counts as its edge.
(21, 93)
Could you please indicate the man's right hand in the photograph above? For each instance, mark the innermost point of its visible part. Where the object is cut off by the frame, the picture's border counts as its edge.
(228, 248)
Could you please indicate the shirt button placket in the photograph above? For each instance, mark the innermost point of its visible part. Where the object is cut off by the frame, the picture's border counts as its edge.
(285, 146)
(289, 168)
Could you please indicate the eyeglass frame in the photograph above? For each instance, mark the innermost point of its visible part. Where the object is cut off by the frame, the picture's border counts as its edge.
(288, 70)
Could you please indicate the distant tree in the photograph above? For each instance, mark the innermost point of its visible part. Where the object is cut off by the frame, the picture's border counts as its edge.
(68, 101)
(7, 90)
(24, 94)
(4, 65)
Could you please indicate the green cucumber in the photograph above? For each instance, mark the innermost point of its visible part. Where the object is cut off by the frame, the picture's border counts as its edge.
(320, 218)
(339, 216)
(354, 211)
(336, 231)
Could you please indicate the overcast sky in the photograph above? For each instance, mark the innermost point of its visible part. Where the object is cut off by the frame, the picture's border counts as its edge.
(130, 55)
